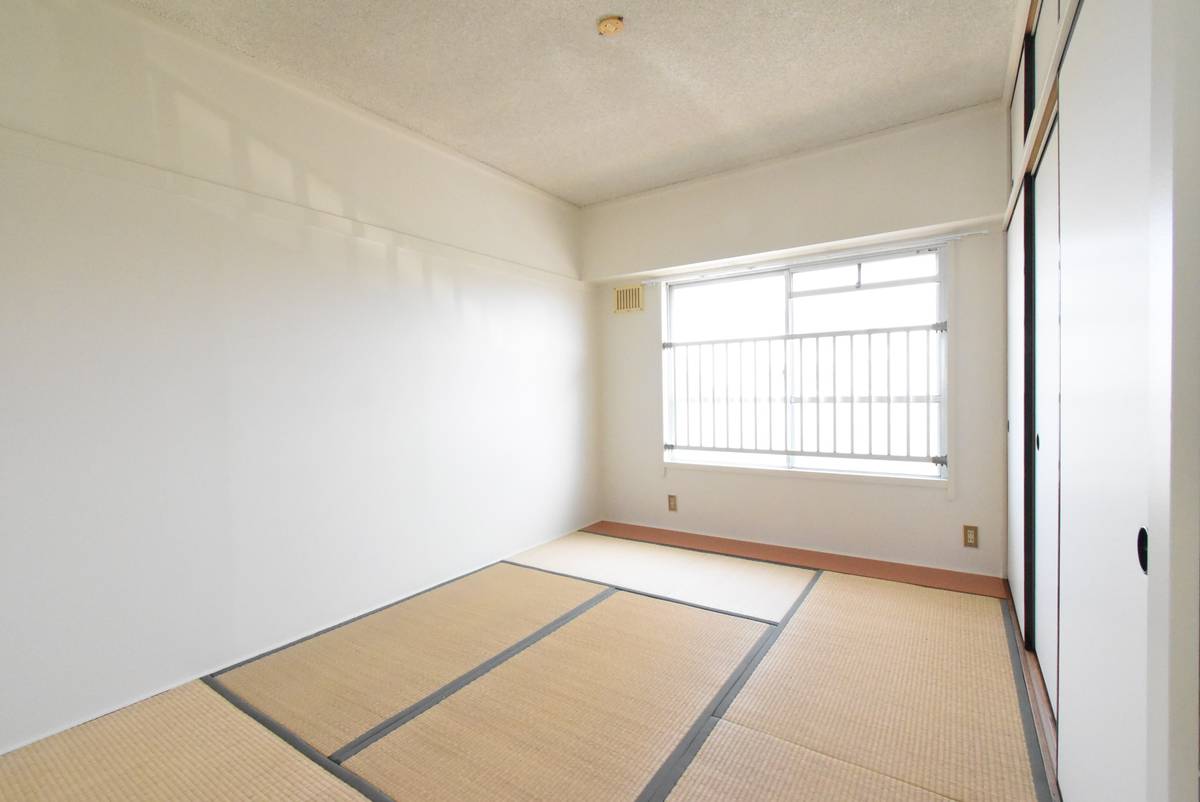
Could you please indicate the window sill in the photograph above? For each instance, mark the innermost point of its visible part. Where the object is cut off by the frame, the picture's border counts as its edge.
(929, 483)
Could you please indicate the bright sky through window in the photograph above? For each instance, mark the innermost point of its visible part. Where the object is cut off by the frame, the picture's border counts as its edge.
(838, 366)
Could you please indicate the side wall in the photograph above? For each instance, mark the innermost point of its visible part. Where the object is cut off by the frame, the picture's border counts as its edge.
(904, 520)
(945, 169)
(268, 363)
(1174, 603)
(97, 76)
(947, 172)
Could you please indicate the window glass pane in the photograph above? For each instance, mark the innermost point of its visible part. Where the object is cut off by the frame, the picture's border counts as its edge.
(922, 265)
(723, 310)
(888, 307)
(831, 402)
(825, 278)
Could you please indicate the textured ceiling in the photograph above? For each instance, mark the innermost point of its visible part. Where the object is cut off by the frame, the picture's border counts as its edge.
(692, 87)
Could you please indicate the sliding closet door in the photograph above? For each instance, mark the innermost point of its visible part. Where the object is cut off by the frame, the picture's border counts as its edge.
(1016, 409)
(1046, 415)
(1104, 168)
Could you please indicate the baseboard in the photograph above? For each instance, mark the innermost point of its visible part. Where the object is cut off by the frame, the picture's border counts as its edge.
(941, 578)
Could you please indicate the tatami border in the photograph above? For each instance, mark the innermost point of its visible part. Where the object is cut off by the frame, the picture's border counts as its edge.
(299, 744)
(663, 782)
(389, 725)
(647, 594)
(379, 609)
(672, 769)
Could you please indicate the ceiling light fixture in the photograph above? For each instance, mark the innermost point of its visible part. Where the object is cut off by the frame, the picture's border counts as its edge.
(610, 26)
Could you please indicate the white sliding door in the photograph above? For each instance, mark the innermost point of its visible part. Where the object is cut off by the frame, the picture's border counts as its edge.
(1016, 409)
(1046, 416)
(1104, 166)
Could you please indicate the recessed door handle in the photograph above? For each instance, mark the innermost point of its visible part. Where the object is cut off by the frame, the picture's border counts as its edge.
(1143, 548)
(1037, 442)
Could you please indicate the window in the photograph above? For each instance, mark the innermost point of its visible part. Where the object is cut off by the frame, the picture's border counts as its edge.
(835, 366)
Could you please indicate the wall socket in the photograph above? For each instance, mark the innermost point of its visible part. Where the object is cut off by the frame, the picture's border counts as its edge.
(971, 536)
(672, 504)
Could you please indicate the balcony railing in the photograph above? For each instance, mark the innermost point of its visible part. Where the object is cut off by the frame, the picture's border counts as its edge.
(872, 394)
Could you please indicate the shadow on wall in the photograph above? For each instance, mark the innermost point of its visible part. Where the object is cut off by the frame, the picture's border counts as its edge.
(108, 79)
(241, 402)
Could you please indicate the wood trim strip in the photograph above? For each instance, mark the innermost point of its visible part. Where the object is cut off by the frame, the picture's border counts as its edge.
(1039, 128)
(1033, 742)
(1022, 24)
(1025, 24)
(1047, 104)
(1039, 700)
(941, 578)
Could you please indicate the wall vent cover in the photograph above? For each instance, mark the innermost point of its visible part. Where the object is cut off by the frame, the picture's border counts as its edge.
(627, 299)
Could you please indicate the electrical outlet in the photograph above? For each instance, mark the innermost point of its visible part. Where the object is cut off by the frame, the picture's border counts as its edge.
(672, 504)
(970, 536)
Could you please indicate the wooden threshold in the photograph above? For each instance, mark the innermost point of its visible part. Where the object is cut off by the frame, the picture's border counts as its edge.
(960, 581)
(1039, 703)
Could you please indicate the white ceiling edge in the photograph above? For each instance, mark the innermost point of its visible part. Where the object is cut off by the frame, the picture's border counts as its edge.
(1020, 23)
(853, 246)
(777, 161)
(298, 84)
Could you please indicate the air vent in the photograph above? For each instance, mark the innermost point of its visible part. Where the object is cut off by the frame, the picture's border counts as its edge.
(627, 299)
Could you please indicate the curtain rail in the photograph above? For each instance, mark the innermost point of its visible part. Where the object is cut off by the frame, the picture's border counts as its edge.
(939, 326)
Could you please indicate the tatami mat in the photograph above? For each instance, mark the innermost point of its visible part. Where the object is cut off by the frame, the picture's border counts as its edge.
(588, 713)
(746, 587)
(330, 689)
(739, 763)
(905, 681)
(185, 744)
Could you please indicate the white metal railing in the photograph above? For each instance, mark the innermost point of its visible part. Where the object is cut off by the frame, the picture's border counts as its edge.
(876, 394)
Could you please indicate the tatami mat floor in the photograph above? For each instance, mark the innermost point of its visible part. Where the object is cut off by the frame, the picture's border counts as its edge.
(588, 713)
(911, 683)
(737, 762)
(521, 683)
(746, 587)
(332, 688)
(186, 744)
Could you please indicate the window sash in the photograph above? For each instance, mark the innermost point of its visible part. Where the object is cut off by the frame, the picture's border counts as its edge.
(704, 381)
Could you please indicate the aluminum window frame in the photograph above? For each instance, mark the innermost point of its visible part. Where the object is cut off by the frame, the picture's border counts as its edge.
(801, 462)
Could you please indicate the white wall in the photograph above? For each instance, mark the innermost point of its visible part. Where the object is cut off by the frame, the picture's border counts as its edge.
(1174, 591)
(944, 173)
(105, 79)
(235, 412)
(903, 520)
(945, 169)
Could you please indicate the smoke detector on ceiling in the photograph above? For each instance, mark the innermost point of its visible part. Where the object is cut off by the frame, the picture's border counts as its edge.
(610, 26)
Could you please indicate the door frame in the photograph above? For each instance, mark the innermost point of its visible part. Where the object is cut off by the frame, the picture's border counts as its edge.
(1030, 398)
(1032, 435)
(1029, 592)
